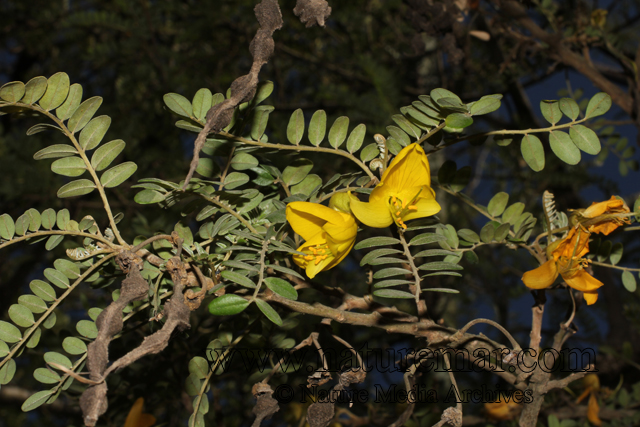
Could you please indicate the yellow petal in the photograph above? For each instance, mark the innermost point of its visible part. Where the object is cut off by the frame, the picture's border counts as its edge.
(597, 209)
(593, 411)
(591, 382)
(344, 230)
(590, 297)
(307, 218)
(375, 214)
(136, 418)
(340, 253)
(583, 395)
(426, 206)
(583, 281)
(410, 168)
(542, 277)
(605, 227)
(313, 268)
(337, 252)
(502, 410)
(146, 420)
(574, 245)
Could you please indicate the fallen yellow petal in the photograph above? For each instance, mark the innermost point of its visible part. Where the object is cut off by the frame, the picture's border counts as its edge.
(593, 411)
(136, 418)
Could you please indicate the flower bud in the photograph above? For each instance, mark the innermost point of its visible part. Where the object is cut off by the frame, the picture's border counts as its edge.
(340, 202)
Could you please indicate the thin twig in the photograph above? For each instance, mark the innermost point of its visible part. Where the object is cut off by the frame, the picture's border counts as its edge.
(496, 325)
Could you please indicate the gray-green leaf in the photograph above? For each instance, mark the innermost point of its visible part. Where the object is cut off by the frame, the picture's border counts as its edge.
(178, 104)
(317, 127)
(243, 161)
(570, 108)
(57, 278)
(12, 91)
(497, 204)
(338, 131)
(78, 187)
(238, 278)
(227, 305)
(399, 135)
(263, 91)
(296, 171)
(458, 120)
(513, 212)
(629, 281)
(83, 114)
(426, 238)
(281, 287)
(202, 103)
(21, 315)
(55, 151)
(7, 227)
(43, 290)
(551, 111)
(295, 128)
(56, 93)
(36, 400)
(71, 104)
(532, 152)
(235, 180)
(46, 376)
(268, 311)
(484, 106)
(118, 174)
(598, 105)
(34, 89)
(393, 293)
(7, 372)
(73, 345)
(33, 303)
(307, 185)
(585, 139)
(53, 241)
(469, 235)
(62, 218)
(69, 166)
(93, 133)
(9, 333)
(104, 155)
(376, 241)
(369, 152)
(87, 329)
(564, 147)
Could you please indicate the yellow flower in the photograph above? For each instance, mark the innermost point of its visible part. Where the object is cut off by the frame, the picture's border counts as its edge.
(329, 235)
(502, 410)
(404, 192)
(606, 224)
(565, 259)
(136, 418)
(591, 383)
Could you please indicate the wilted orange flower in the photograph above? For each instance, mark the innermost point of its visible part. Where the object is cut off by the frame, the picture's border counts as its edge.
(591, 384)
(606, 224)
(566, 259)
(136, 418)
(502, 410)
